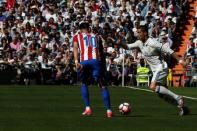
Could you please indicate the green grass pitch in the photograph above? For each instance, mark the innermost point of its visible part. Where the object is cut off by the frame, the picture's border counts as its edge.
(59, 108)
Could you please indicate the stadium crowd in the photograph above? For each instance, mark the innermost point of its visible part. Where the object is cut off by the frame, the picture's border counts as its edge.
(191, 56)
(36, 35)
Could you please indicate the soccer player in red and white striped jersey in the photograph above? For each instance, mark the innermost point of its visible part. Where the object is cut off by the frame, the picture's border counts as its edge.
(86, 45)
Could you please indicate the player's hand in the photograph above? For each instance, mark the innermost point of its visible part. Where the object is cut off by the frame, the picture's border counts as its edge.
(78, 66)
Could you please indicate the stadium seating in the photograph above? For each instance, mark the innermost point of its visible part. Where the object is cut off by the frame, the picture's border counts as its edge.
(182, 44)
(43, 29)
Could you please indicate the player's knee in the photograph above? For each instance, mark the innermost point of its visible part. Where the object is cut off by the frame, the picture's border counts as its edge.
(152, 87)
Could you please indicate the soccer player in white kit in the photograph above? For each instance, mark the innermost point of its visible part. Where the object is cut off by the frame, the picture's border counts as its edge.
(152, 51)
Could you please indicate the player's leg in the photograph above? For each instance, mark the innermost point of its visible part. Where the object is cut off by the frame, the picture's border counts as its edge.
(159, 79)
(172, 98)
(97, 75)
(85, 97)
(82, 75)
(106, 98)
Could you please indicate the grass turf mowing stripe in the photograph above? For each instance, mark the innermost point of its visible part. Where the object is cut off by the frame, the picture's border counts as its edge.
(147, 90)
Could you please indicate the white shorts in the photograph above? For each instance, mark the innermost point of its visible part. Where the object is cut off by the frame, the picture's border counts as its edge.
(160, 76)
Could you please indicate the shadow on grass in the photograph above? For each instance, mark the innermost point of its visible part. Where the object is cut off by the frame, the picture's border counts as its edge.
(131, 116)
(192, 114)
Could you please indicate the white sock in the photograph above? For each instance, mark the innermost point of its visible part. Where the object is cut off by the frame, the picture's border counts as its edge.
(108, 110)
(87, 108)
(165, 91)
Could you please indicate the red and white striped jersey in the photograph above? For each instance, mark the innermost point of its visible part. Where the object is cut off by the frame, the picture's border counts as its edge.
(88, 47)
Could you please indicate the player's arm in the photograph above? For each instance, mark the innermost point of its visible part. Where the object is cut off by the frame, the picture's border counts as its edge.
(130, 46)
(75, 51)
(100, 46)
(124, 45)
(119, 42)
(169, 51)
(180, 60)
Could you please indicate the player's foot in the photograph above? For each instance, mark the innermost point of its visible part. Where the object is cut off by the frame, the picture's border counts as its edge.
(180, 102)
(184, 111)
(87, 112)
(109, 114)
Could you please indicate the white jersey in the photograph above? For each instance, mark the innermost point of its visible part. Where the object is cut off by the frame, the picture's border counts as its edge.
(152, 51)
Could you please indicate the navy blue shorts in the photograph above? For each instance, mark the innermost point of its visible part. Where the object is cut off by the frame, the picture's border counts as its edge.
(90, 69)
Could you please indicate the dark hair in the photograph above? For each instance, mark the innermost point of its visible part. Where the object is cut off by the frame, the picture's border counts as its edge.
(84, 25)
(142, 63)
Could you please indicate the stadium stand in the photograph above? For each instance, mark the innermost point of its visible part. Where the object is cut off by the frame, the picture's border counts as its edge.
(185, 29)
(36, 35)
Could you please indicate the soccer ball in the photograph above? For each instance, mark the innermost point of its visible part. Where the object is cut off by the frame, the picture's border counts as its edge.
(124, 108)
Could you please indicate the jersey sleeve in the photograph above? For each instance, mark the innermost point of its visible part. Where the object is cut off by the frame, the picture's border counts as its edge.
(167, 50)
(75, 39)
(161, 47)
(135, 45)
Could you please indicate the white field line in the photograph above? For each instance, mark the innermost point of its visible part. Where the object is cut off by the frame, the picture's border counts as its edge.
(147, 90)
